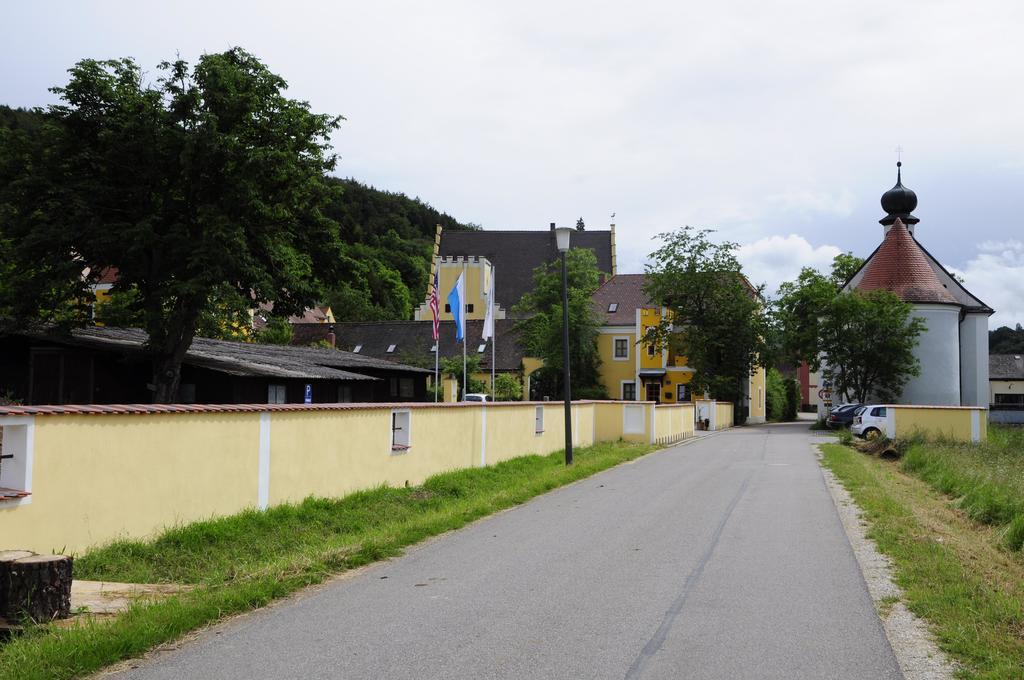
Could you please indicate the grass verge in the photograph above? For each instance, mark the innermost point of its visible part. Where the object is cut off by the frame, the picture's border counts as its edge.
(986, 480)
(952, 570)
(247, 560)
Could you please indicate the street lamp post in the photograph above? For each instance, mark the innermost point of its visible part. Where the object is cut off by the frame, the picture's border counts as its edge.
(562, 235)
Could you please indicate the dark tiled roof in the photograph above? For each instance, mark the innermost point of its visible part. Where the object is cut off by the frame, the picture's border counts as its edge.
(626, 291)
(240, 358)
(413, 340)
(900, 266)
(1006, 366)
(515, 254)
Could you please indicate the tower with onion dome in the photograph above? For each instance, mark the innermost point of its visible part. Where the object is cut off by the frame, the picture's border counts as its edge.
(953, 348)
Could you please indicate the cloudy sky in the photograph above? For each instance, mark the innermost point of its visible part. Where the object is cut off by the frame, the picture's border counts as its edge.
(773, 122)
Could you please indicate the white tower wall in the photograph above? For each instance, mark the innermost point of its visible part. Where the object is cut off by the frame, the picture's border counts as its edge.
(938, 350)
(974, 360)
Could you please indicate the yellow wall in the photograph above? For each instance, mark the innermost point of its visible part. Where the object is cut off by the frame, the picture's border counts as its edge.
(97, 478)
(758, 398)
(959, 423)
(649, 318)
(614, 371)
(476, 284)
(673, 422)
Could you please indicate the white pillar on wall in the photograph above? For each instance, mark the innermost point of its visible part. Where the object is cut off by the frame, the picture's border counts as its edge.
(974, 360)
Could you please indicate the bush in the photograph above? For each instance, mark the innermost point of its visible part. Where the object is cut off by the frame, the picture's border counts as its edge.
(507, 388)
(775, 395)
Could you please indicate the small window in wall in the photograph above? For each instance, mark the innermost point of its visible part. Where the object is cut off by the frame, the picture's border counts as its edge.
(621, 348)
(406, 388)
(538, 420)
(391, 349)
(613, 307)
(344, 394)
(651, 350)
(15, 465)
(469, 308)
(277, 394)
(400, 426)
(357, 349)
(681, 393)
(629, 391)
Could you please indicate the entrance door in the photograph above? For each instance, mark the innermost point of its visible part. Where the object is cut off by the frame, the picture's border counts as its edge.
(654, 391)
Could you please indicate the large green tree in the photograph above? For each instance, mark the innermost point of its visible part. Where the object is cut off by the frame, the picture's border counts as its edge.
(716, 319)
(541, 330)
(803, 302)
(208, 179)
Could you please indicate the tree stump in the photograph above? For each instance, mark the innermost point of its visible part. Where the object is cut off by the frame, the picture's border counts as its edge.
(6, 558)
(38, 587)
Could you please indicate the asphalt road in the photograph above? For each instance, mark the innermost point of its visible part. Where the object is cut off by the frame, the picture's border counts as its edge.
(723, 558)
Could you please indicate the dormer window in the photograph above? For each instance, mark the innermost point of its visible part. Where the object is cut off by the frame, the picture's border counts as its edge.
(433, 348)
(481, 348)
(356, 349)
(613, 307)
(391, 349)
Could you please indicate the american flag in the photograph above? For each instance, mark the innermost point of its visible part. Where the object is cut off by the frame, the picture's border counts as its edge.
(435, 308)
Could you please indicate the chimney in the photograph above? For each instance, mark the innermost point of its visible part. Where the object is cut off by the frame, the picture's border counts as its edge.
(552, 226)
(331, 337)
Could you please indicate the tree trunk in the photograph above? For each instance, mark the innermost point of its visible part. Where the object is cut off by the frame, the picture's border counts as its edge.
(6, 558)
(169, 342)
(38, 587)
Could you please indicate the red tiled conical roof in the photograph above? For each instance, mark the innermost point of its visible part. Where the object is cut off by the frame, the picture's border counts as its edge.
(900, 266)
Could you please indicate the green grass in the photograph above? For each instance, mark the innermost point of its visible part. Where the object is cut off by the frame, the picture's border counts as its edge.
(952, 574)
(986, 480)
(247, 560)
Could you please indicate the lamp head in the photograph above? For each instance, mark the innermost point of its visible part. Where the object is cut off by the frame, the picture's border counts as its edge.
(562, 235)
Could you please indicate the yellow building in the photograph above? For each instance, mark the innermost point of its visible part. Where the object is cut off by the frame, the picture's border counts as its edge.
(632, 369)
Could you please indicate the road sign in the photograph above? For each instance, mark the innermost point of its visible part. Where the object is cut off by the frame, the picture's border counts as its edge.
(309, 394)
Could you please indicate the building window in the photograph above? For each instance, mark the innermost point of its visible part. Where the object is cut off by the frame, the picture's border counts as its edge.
(613, 307)
(447, 308)
(680, 392)
(621, 348)
(277, 394)
(401, 422)
(481, 348)
(344, 394)
(760, 398)
(406, 388)
(1009, 399)
(393, 385)
(469, 308)
(654, 392)
(433, 348)
(356, 349)
(391, 349)
(15, 464)
(538, 420)
(651, 351)
(629, 391)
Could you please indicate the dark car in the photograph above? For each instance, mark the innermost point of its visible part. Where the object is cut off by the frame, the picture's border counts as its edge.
(842, 416)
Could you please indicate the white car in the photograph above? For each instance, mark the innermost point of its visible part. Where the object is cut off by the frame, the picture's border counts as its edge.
(477, 397)
(869, 422)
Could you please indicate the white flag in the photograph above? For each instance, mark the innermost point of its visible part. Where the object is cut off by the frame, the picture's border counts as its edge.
(488, 331)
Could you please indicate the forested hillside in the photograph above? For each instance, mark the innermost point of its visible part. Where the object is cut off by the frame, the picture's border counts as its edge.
(1006, 340)
(388, 237)
(391, 238)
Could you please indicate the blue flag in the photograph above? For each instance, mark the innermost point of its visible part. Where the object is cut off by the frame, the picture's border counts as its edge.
(455, 303)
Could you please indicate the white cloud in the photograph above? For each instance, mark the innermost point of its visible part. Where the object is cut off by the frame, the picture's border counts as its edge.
(996, 275)
(775, 259)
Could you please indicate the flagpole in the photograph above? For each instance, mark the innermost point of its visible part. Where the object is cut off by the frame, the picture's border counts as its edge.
(494, 334)
(437, 350)
(465, 327)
